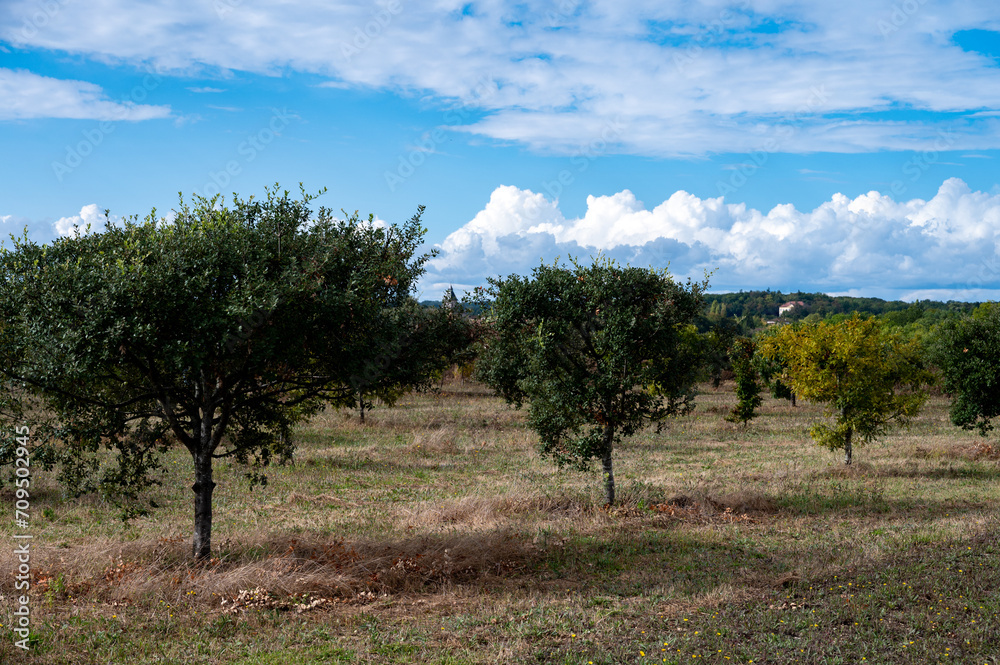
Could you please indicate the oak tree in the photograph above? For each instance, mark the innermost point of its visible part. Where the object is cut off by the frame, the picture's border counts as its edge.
(748, 384)
(869, 379)
(770, 369)
(216, 330)
(968, 353)
(595, 351)
(415, 345)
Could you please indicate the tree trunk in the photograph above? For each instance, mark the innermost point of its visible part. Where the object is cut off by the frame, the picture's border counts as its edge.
(848, 449)
(203, 488)
(609, 472)
(361, 401)
(793, 398)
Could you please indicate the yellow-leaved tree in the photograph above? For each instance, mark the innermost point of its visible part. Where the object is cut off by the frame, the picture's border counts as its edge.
(869, 379)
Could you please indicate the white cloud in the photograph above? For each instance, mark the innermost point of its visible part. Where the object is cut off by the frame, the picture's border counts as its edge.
(338, 85)
(872, 244)
(89, 215)
(24, 95)
(40, 231)
(13, 225)
(376, 223)
(678, 78)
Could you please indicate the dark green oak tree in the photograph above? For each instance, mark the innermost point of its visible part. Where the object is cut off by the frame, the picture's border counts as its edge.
(748, 384)
(415, 345)
(216, 330)
(595, 351)
(967, 351)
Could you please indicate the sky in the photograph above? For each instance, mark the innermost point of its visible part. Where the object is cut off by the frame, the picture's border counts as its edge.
(848, 147)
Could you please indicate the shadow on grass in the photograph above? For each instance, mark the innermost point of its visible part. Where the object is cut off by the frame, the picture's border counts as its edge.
(636, 561)
(917, 604)
(826, 495)
(432, 463)
(326, 438)
(970, 471)
(861, 499)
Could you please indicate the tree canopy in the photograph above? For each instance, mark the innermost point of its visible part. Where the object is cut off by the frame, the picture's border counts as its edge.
(216, 329)
(968, 353)
(748, 384)
(414, 344)
(869, 378)
(597, 352)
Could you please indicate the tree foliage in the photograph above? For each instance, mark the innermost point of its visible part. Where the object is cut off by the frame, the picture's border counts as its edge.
(415, 345)
(597, 351)
(715, 342)
(771, 368)
(968, 354)
(717, 334)
(748, 384)
(216, 330)
(869, 379)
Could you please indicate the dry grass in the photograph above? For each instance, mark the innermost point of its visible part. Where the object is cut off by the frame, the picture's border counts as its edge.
(145, 571)
(484, 512)
(439, 513)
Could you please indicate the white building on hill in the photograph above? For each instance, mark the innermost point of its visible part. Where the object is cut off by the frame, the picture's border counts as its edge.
(789, 306)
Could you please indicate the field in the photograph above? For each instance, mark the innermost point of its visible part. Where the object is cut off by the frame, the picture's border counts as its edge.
(434, 533)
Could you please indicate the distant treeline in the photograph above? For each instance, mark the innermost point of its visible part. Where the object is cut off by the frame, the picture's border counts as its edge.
(765, 304)
(474, 309)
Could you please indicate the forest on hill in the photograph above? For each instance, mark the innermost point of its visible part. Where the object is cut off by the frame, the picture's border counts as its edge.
(765, 304)
(761, 306)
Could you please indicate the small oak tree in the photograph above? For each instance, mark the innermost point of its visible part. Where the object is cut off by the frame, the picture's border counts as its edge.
(416, 344)
(748, 384)
(596, 351)
(869, 379)
(771, 369)
(216, 330)
(968, 352)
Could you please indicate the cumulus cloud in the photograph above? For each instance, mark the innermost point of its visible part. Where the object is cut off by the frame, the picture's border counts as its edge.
(40, 231)
(90, 215)
(946, 247)
(12, 225)
(678, 78)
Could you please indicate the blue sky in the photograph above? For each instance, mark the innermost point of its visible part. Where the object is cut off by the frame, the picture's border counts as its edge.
(845, 147)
